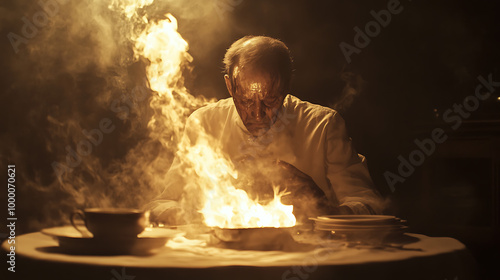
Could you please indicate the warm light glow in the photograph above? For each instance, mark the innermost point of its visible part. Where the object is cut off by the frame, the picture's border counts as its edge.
(209, 172)
(225, 206)
(167, 53)
(232, 208)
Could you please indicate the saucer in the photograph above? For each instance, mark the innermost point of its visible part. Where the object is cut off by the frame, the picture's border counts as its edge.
(73, 242)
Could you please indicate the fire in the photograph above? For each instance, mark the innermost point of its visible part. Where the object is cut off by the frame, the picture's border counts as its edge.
(222, 205)
(232, 208)
(168, 54)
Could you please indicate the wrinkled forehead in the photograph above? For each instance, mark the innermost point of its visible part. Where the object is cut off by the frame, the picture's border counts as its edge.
(250, 82)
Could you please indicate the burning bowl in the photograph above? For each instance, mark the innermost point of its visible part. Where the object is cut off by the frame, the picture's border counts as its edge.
(264, 239)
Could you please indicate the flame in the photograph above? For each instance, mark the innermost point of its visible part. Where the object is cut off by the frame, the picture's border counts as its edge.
(167, 53)
(222, 205)
(232, 208)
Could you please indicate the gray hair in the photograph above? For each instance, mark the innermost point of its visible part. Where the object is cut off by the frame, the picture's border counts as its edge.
(260, 53)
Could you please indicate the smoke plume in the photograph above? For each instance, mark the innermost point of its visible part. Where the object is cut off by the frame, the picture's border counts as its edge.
(95, 111)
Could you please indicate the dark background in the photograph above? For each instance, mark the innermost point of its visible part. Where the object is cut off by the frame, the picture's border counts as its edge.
(427, 59)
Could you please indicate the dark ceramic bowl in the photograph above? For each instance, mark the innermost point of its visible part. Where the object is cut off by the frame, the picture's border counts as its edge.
(265, 238)
(113, 222)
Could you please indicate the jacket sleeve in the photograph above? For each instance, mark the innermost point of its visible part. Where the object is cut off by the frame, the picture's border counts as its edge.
(347, 171)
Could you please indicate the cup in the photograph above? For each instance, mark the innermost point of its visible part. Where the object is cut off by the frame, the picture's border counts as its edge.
(112, 222)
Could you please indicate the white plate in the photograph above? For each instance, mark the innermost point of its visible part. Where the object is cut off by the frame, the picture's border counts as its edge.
(356, 227)
(356, 219)
(360, 229)
(368, 235)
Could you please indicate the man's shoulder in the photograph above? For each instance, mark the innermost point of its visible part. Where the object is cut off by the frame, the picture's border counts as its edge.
(221, 107)
(211, 117)
(308, 111)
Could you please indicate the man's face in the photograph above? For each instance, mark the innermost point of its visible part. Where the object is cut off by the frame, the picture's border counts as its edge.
(257, 98)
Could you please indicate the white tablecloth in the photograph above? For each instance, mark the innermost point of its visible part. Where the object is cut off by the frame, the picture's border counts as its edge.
(186, 255)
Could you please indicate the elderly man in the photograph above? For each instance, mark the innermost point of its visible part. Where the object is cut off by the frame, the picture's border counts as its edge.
(273, 137)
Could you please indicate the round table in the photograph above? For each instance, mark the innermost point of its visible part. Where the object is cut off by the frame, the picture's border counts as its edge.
(425, 257)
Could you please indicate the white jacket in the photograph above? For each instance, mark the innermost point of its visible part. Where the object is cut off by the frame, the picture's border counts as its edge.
(311, 137)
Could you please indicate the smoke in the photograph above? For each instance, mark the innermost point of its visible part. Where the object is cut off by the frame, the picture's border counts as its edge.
(91, 129)
(354, 85)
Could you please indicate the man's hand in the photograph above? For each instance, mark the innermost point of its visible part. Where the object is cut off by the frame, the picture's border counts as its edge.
(307, 198)
(298, 181)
